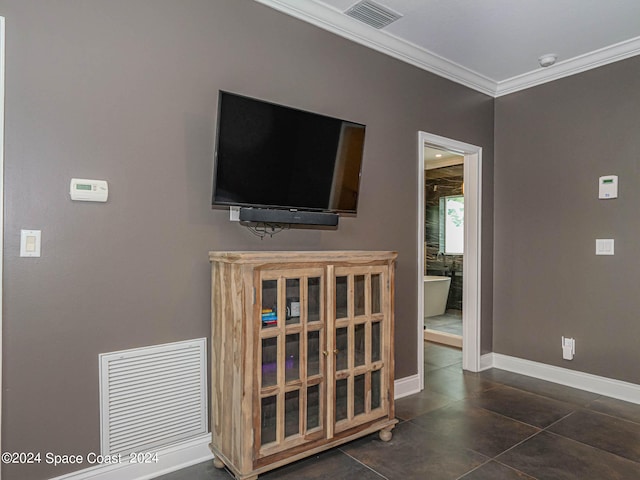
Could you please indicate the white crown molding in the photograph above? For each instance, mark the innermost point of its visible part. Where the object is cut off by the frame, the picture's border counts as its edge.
(572, 66)
(335, 21)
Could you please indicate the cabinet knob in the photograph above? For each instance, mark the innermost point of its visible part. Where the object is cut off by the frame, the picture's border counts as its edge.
(325, 353)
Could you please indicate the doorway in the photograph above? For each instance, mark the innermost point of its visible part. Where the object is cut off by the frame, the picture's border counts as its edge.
(471, 267)
(443, 246)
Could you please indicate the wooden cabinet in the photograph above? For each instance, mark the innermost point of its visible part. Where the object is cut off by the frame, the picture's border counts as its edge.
(301, 356)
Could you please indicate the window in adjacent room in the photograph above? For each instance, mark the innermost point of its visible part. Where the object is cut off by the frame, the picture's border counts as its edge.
(452, 225)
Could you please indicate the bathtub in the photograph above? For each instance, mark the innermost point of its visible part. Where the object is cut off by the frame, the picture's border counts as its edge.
(436, 291)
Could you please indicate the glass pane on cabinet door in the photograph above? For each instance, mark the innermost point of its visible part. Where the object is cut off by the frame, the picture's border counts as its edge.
(313, 353)
(358, 395)
(292, 413)
(269, 303)
(293, 301)
(375, 341)
(269, 361)
(375, 389)
(341, 297)
(313, 407)
(341, 399)
(292, 359)
(359, 336)
(313, 299)
(358, 286)
(268, 413)
(342, 345)
(375, 293)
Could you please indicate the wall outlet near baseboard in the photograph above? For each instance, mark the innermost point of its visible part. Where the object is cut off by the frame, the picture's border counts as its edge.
(568, 348)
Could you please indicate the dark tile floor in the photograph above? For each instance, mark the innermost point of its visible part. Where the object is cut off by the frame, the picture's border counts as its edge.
(488, 426)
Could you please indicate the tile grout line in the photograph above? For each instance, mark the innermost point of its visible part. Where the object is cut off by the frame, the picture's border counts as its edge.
(363, 464)
(540, 430)
(515, 469)
(558, 421)
(517, 445)
(474, 469)
(586, 406)
(610, 415)
(573, 404)
(531, 477)
(545, 430)
(592, 446)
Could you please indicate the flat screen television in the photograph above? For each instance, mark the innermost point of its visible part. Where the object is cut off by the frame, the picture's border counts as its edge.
(276, 157)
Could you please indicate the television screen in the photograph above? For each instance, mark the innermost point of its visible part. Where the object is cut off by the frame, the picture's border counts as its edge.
(272, 156)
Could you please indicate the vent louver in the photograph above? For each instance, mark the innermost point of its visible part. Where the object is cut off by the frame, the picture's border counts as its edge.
(153, 396)
(373, 14)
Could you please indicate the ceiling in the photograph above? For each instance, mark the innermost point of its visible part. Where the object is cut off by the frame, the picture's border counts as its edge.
(438, 158)
(491, 46)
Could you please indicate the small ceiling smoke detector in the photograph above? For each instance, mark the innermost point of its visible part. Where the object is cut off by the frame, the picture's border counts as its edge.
(547, 60)
(373, 14)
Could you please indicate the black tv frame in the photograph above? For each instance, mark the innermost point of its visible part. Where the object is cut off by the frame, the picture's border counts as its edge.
(281, 214)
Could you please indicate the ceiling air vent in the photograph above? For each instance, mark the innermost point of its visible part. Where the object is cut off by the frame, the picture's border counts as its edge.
(373, 14)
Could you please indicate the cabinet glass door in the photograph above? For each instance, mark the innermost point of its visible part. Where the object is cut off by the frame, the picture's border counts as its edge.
(291, 358)
(359, 326)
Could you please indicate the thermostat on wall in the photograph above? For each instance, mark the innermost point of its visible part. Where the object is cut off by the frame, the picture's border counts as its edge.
(608, 186)
(85, 190)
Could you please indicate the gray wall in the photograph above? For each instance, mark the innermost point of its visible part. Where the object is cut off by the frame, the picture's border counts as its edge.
(552, 144)
(126, 91)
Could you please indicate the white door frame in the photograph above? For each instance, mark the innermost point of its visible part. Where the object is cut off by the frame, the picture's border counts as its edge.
(471, 270)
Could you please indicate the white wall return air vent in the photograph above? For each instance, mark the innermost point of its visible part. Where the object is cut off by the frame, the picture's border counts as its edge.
(373, 14)
(153, 396)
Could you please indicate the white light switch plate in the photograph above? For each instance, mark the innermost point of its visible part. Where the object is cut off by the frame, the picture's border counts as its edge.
(30, 243)
(604, 246)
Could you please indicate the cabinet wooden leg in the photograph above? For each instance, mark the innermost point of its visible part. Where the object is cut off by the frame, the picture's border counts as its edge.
(218, 463)
(385, 435)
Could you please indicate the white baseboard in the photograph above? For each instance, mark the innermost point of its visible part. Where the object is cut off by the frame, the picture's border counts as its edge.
(629, 392)
(406, 386)
(486, 361)
(170, 459)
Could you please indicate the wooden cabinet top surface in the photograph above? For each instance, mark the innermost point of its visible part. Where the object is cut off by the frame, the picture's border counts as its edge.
(311, 256)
